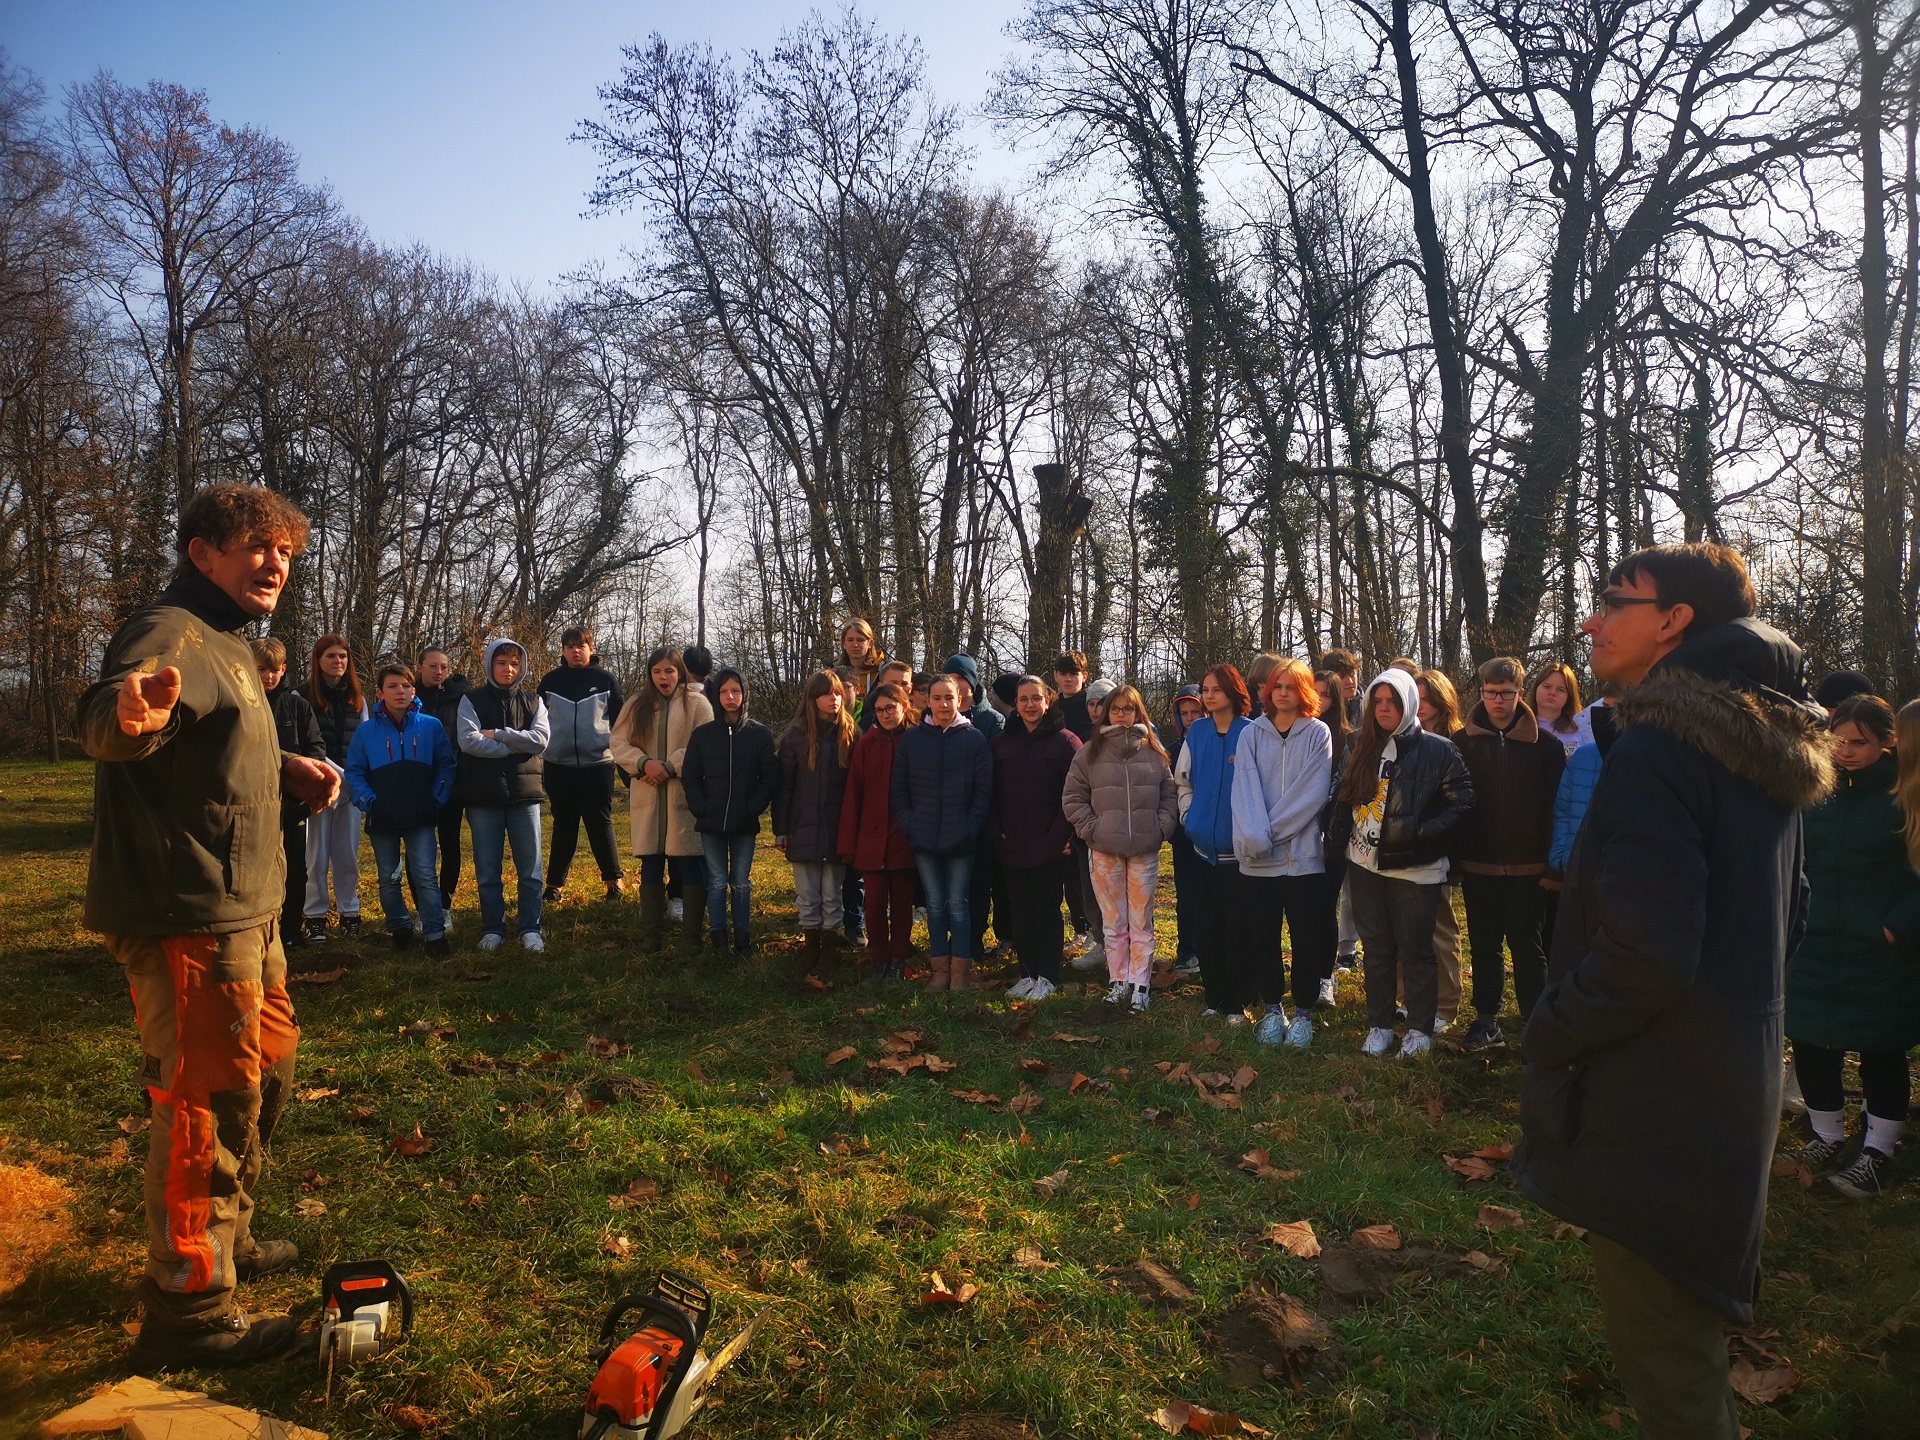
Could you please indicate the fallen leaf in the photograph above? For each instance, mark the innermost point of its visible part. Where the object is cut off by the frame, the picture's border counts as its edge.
(1034, 1067)
(845, 1052)
(1078, 1083)
(1028, 1257)
(1065, 1039)
(814, 982)
(309, 1209)
(975, 1097)
(1025, 1103)
(360, 1114)
(409, 1417)
(318, 977)
(937, 1066)
(1296, 1237)
(1786, 1167)
(1193, 1201)
(1209, 1045)
(1118, 1072)
(1499, 1217)
(897, 1064)
(1762, 1387)
(836, 1146)
(781, 1076)
(940, 1293)
(696, 1074)
(1502, 1152)
(1612, 1420)
(410, 1145)
(604, 1049)
(618, 1246)
(640, 1192)
(1436, 1107)
(1163, 1118)
(1243, 1077)
(1480, 1260)
(134, 1124)
(317, 1093)
(1377, 1237)
(1178, 1417)
(1561, 1230)
(609, 944)
(1051, 1185)
(1471, 1168)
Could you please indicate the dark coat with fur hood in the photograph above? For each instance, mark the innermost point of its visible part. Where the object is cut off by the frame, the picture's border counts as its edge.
(1651, 1098)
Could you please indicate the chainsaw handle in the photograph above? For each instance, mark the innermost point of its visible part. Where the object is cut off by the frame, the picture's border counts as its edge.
(333, 1284)
(673, 1319)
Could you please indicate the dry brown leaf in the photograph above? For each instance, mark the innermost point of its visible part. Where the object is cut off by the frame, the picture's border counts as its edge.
(696, 1074)
(781, 1076)
(1209, 1045)
(1243, 1077)
(941, 1293)
(410, 1417)
(1785, 1167)
(319, 977)
(1501, 1152)
(134, 1124)
(640, 1192)
(1480, 1260)
(814, 982)
(1561, 1230)
(410, 1145)
(1499, 1217)
(845, 1052)
(1179, 1417)
(359, 1114)
(1028, 1257)
(937, 1066)
(618, 1246)
(1034, 1067)
(1763, 1387)
(1436, 1107)
(1051, 1185)
(1078, 1083)
(1156, 1116)
(603, 1049)
(975, 1097)
(1376, 1237)
(1193, 1201)
(309, 1208)
(314, 1095)
(1119, 1072)
(1471, 1168)
(1296, 1237)
(1257, 1162)
(1025, 1103)
(836, 1146)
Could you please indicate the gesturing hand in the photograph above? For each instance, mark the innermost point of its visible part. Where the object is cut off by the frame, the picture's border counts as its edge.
(314, 783)
(146, 701)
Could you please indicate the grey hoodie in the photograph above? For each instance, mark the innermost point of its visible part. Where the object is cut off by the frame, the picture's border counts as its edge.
(1280, 788)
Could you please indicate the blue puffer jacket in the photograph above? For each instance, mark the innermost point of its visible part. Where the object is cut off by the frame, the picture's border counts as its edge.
(942, 787)
(400, 774)
(1204, 780)
(1570, 803)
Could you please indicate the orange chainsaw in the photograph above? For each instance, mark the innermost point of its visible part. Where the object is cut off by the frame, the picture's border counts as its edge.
(652, 1383)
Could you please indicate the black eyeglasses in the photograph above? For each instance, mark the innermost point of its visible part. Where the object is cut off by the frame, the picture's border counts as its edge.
(1605, 604)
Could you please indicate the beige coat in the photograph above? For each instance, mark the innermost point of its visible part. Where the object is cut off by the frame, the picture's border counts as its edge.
(662, 823)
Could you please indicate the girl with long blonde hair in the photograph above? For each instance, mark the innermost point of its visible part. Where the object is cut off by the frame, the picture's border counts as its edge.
(814, 754)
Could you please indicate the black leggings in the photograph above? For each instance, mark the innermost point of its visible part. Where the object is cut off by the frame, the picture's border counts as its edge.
(1305, 903)
(1883, 1080)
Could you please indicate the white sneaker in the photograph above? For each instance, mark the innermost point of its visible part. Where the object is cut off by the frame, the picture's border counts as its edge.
(532, 941)
(1142, 998)
(1378, 1042)
(1094, 959)
(1238, 1017)
(1329, 992)
(676, 909)
(1209, 1014)
(1042, 988)
(1022, 989)
(1300, 1032)
(1119, 993)
(490, 942)
(1415, 1045)
(446, 920)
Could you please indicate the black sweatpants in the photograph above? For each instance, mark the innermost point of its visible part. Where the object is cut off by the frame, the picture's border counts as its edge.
(451, 815)
(293, 840)
(1031, 917)
(1304, 904)
(1226, 968)
(1884, 1080)
(581, 794)
(980, 889)
(1509, 911)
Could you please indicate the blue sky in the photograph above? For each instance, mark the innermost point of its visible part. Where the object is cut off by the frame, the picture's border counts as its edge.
(447, 122)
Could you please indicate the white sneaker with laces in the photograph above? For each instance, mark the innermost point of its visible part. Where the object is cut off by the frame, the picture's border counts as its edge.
(490, 942)
(1209, 1014)
(1329, 992)
(1415, 1045)
(1119, 993)
(1094, 959)
(1042, 988)
(1021, 989)
(677, 909)
(1300, 1032)
(1142, 998)
(532, 941)
(1378, 1042)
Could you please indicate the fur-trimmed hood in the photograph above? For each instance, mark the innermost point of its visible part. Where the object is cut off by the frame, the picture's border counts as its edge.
(1762, 736)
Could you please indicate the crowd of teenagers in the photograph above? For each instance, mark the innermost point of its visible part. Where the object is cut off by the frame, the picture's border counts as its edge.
(1704, 873)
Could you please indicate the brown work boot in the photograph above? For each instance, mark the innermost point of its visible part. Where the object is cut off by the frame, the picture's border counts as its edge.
(234, 1338)
(960, 975)
(942, 972)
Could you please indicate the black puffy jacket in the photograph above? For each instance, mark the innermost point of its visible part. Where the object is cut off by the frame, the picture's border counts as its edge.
(339, 717)
(729, 774)
(1429, 797)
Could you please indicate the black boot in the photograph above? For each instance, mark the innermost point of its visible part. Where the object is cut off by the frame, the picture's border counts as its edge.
(742, 944)
(231, 1339)
(693, 923)
(267, 1257)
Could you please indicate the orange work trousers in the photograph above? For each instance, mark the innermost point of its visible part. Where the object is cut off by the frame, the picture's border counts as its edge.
(218, 1035)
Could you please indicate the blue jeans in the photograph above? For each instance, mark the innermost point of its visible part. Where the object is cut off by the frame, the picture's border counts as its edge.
(494, 828)
(729, 869)
(422, 861)
(946, 879)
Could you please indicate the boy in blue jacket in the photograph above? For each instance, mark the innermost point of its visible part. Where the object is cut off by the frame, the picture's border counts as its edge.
(400, 769)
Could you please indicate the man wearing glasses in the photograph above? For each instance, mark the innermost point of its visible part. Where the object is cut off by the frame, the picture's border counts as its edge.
(1503, 851)
(1651, 1099)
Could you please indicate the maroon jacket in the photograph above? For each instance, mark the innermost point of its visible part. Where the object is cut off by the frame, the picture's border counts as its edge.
(867, 831)
(1029, 774)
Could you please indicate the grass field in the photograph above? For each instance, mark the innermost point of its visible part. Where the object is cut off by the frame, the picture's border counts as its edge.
(832, 1193)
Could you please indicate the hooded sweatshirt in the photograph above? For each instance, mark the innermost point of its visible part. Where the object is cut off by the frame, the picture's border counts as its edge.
(730, 769)
(983, 717)
(581, 701)
(1281, 782)
(505, 770)
(1364, 843)
(1203, 777)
